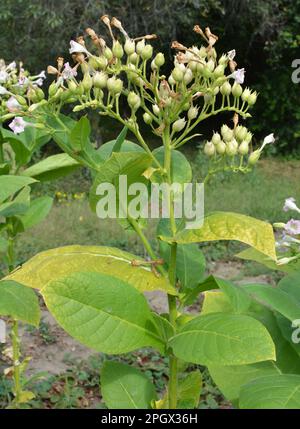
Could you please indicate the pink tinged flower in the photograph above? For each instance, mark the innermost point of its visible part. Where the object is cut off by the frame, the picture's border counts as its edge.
(3, 76)
(18, 125)
(239, 76)
(290, 204)
(3, 90)
(293, 227)
(12, 66)
(38, 82)
(13, 105)
(231, 54)
(68, 72)
(77, 47)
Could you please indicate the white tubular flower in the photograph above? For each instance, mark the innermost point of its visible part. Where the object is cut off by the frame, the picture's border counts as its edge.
(3, 76)
(77, 48)
(285, 261)
(231, 54)
(239, 76)
(68, 72)
(290, 204)
(11, 66)
(270, 139)
(13, 105)
(3, 90)
(18, 125)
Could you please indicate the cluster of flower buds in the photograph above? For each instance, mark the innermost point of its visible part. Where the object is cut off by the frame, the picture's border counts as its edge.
(289, 243)
(232, 143)
(19, 92)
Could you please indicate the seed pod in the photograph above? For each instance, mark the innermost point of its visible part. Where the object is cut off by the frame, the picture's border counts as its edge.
(246, 94)
(147, 52)
(134, 58)
(240, 133)
(219, 71)
(231, 149)
(203, 52)
(216, 138)
(114, 85)
(129, 47)
(156, 109)
(193, 66)
(188, 76)
(52, 89)
(177, 74)
(221, 148)
(252, 99)
(87, 82)
(209, 149)
(102, 62)
(244, 148)
(179, 125)
(226, 89)
(72, 86)
(223, 60)
(171, 80)
(237, 90)
(118, 50)
(147, 118)
(254, 157)
(248, 137)
(140, 46)
(159, 60)
(192, 113)
(228, 135)
(100, 80)
(134, 100)
(108, 53)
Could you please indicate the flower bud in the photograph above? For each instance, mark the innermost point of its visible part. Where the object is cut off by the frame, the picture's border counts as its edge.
(72, 86)
(118, 50)
(252, 99)
(246, 94)
(240, 133)
(129, 47)
(244, 148)
(188, 76)
(221, 148)
(114, 85)
(87, 82)
(209, 149)
(147, 52)
(254, 157)
(237, 90)
(177, 74)
(100, 80)
(223, 60)
(193, 66)
(147, 118)
(108, 53)
(134, 58)
(203, 52)
(134, 100)
(156, 109)
(216, 138)
(179, 125)
(171, 80)
(206, 72)
(159, 60)
(248, 137)
(52, 89)
(226, 89)
(140, 46)
(102, 62)
(192, 113)
(210, 65)
(227, 134)
(231, 148)
(219, 71)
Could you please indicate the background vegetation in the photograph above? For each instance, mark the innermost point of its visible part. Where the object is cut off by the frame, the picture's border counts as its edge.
(266, 34)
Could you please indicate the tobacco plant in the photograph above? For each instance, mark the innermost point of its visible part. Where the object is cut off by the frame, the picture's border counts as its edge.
(96, 292)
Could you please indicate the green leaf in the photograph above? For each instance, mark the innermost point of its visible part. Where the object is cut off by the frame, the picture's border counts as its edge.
(18, 205)
(164, 327)
(230, 379)
(120, 140)
(289, 331)
(38, 211)
(52, 168)
(256, 256)
(237, 296)
(276, 299)
(102, 312)
(223, 339)
(55, 263)
(125, 387)
(231, 226)
(80, 134)
(216, 302)
(106, 149)
(273, 392)
(189, 390)
(291, 285)
(9, 185)
(19, 302)
(190, 295)
(181, 170)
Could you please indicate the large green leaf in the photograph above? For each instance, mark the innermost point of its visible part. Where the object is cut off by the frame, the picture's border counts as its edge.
(216, 302)
(181, 170)
(125, 387)
(230, 379)
(38, 211)
(55, 263)
(102, 312)
(273, 392)
(107, 149)
(19, 302)
(276, 299)
(9, 185)
(52, 168)
(231, 226)
(189, 390)
(223, 339)
(291, 285)
(130, 164)
(80, 134)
